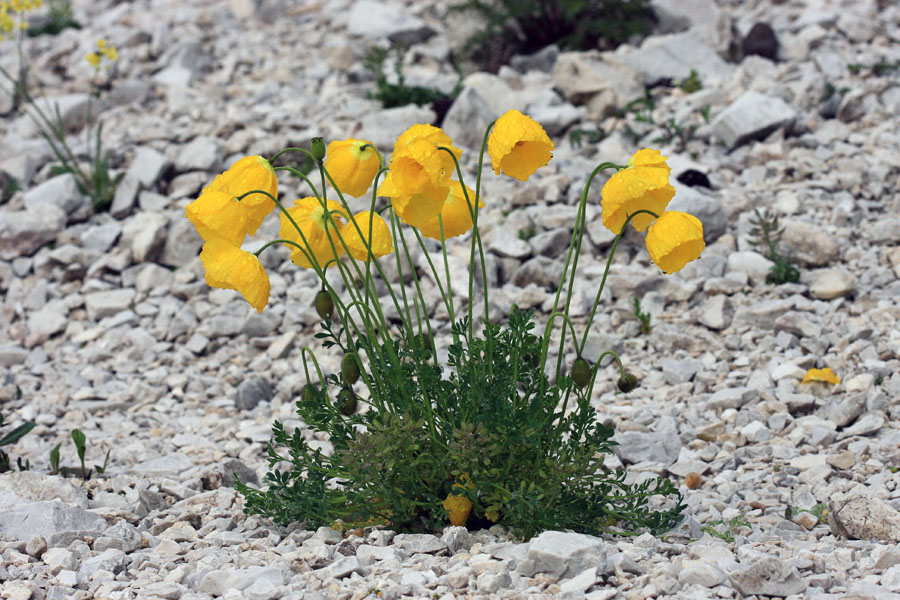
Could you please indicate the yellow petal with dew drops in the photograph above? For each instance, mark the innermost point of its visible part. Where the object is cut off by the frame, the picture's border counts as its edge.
(456, 214)
(634, 189)
(248, 174)
(675, 239)
(351, 167)
(518, 145)
(322, 242)
(379, 240)
(219, 214)
(414, 209)
(229, 267)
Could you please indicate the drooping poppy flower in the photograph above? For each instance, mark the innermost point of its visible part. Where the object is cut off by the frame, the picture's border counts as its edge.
(248, 174)
(352, 167)
(322, 239)
(643, 185)
(414, 209)
(518, 145)
(229, 267)
(675, 239)
(380, 240)
(219, 214)
(455, 214)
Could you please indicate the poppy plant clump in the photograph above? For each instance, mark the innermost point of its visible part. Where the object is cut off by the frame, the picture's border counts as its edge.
(466, 422)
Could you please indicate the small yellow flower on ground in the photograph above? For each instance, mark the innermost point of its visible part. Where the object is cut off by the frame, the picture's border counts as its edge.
(380, 240)
(229, 267)
(825, 375)
(322, 240)
(219, 214)
(248, 174)
(455, 213)
(643, 185)
(458, 507)
(675, 239)
(352, 167)
(93, 58)
(414, 209)
(518, 145)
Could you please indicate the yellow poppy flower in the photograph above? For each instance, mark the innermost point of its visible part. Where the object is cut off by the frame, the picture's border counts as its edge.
(93, 58)
(381, 236)
(643, 186)
(111, 53)
(414, 209)
(675, 239)
(229, 267)
(429, 133)
(518, 145)
(417, 162)
(248, 174)
(455, 214)
(351, 167)
(309, 215)
(219, 214)
(825, 375)
(458, 507)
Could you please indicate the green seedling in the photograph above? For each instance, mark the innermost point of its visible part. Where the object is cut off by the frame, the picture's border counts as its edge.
(726, 530)
(11, 438)
(642, 317)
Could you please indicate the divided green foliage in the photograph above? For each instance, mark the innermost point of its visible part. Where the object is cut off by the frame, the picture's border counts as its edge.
(726, 530)
(525, 26)
(493, 418)
(766, 233)
(642, 317)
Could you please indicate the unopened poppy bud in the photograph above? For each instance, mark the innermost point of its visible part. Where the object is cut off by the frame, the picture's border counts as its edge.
(347, 402)
(627, 382)
(325, 305)
(317, 147)
(350, 368)
(581, 372)
(310, 393)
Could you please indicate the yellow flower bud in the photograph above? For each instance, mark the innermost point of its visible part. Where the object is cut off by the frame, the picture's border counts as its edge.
(675, 239)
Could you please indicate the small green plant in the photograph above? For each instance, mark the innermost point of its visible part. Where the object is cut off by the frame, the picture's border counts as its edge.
(94, 180)
(80, 441)
(642, 317)
(882, 67)
(11, 438)
(10, 187)
(726, 530)
(60, 17)
(676, 132)
(691, 83)
(526, 26)
(593, 135)
(526, 234)
(766, 233)
(399, 94)
(704, 112)
(819, 511)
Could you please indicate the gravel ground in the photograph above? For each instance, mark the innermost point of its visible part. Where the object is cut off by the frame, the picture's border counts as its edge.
(109, 326)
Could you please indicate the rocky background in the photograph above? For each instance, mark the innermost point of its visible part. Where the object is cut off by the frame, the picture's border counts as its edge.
(109, 327)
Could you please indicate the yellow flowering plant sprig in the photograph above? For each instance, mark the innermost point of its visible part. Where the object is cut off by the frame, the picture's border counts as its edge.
(93, 181)
(485, 437)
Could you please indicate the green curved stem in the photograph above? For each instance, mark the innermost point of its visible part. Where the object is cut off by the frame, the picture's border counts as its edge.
(612, 252)
(302, 175)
